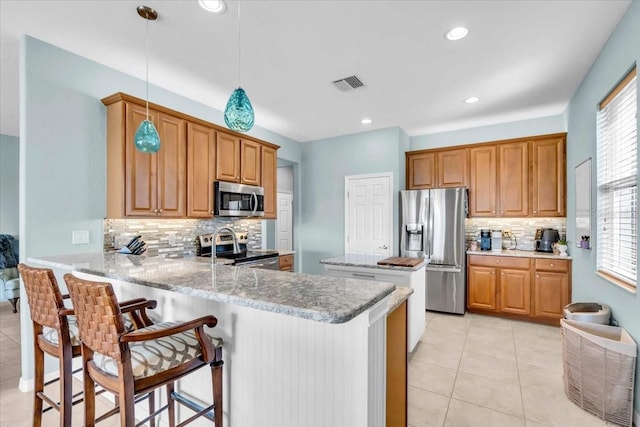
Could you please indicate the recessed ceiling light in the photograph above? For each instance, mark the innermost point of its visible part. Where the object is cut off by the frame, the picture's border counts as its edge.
(365, 121)
(456, 33)
(213, 6)
(471, 100)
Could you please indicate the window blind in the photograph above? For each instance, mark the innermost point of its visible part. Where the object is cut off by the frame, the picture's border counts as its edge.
(617, 243)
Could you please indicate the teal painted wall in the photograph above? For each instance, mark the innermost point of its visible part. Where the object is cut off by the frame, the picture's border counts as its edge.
(325, 163)
(518, 129)
(617, 57)
(9, 177)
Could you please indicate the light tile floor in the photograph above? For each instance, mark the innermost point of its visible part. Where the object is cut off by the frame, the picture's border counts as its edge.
(467, 370)
(476, 370)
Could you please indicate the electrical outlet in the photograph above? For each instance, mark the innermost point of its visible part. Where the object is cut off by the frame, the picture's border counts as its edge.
(80, 237)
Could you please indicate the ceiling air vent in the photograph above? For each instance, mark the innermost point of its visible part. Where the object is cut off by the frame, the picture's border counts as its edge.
(348, 83)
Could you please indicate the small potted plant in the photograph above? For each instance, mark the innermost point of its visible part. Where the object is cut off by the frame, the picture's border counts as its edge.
(562, 245)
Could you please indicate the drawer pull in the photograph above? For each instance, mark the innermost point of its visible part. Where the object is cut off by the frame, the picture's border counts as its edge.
(551, 265)
(368, 276)
(497, 260)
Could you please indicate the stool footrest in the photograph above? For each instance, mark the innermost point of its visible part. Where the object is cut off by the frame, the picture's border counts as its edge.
(201, 410)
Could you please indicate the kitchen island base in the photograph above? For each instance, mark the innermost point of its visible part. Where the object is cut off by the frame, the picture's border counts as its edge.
(282, 370)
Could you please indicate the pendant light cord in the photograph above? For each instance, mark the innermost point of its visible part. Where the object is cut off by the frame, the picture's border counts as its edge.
(147, 71)
(239, 48)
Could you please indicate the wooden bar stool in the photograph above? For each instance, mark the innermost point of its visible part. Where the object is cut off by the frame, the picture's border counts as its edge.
(130, 364)
(55, 332)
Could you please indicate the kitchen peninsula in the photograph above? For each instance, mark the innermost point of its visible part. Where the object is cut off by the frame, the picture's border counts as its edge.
(404, 272)
(299, 350)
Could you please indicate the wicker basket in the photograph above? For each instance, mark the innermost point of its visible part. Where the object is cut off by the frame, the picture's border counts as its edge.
(599, 368)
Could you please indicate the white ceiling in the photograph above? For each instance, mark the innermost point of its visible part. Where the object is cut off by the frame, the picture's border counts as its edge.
(523, 59)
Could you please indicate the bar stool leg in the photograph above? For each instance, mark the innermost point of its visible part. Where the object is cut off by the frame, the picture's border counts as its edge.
(89, 391)
(38, 380)
(216, 376)
(66, 383)
(171, 405)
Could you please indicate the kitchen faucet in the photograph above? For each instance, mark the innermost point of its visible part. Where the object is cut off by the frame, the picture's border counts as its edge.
(236, 246)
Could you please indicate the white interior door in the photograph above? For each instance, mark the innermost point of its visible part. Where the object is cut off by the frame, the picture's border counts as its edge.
(284, 224)
(369, 214)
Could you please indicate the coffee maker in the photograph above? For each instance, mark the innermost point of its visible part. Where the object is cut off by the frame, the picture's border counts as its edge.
(545, 238)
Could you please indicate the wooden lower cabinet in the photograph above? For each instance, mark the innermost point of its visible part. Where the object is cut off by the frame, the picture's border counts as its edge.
(481, 289)
(397, 367)
(551, 288)
(286, 262)
(536, 289)
(515, 291)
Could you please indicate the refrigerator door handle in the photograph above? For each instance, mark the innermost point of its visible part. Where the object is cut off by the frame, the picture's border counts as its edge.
(446, 269)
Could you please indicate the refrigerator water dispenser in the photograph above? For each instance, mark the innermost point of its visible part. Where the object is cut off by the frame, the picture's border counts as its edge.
(414, 241)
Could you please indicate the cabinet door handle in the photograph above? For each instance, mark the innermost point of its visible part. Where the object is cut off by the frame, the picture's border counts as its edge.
(368, 276)
(383, 247)
(537, 276)
(493, 272)
(161, 210)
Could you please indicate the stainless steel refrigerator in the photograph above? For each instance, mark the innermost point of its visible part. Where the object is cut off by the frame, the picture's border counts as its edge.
(433, 228)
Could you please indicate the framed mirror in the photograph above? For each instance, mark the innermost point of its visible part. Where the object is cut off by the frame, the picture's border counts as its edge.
(583, 204)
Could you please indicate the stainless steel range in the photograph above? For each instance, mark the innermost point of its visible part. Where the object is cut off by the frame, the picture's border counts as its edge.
(244, 258)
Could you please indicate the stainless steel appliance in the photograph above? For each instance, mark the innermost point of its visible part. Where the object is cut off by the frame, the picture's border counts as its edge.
(545, 238)
(433, 228)
(269, 260)
(231, 199)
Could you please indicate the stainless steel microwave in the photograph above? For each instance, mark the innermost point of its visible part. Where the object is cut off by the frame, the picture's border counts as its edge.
(231, 199)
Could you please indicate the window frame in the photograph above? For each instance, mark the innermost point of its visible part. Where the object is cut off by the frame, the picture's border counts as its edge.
(608, 272)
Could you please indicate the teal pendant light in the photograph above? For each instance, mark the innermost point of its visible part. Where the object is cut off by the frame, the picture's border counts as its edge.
(238, 115)
(146, 138)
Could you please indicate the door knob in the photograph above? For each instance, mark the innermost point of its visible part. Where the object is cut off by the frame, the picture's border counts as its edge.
(383, 247)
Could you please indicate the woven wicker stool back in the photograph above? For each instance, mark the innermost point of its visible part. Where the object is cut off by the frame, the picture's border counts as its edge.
(100, 321)
(47, 310)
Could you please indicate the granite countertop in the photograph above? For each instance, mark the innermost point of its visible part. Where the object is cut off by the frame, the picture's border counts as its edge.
(369, 261)
(320, 298)
(518, 253)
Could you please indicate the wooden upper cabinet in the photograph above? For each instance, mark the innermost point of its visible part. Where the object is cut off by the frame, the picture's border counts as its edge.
(514, 179)
(483, 181)
(250, 163)
(270, 181)
(201, 170)
(452, 168)
(227, 157)
(177, 181)
(549, 180)
(155, 183)
(172, 162)
(421, 170)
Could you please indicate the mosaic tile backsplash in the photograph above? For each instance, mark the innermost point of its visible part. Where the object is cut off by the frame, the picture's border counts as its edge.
(524, 229)
(175, 237)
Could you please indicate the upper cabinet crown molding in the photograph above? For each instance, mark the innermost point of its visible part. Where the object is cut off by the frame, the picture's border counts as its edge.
(120, 96)
(521, 177)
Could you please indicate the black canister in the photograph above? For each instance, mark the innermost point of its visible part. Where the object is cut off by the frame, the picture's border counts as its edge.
(485, 240)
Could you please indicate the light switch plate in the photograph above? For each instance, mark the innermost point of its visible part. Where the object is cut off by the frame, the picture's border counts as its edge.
(80, 237)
